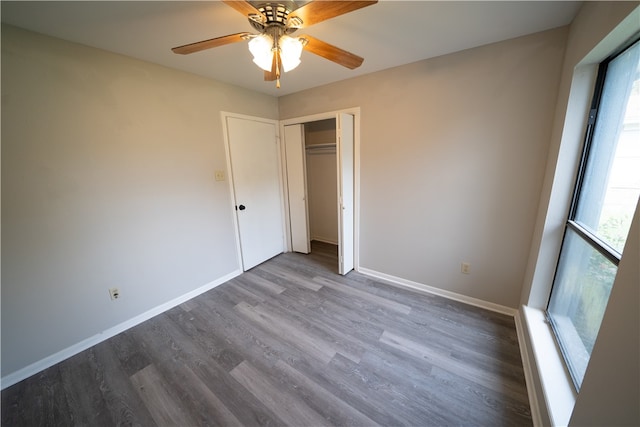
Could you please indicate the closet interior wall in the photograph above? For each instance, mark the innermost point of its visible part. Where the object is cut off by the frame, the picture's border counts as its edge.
(322, 180)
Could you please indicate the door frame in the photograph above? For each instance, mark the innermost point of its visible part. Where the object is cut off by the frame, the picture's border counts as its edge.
(283, 196)
(355, 112)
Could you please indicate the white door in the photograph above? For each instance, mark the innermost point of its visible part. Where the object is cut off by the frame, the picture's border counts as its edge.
(297, 186)
(253, 152)
(345, 160)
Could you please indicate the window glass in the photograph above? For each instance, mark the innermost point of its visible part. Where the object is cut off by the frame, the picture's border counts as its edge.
(580, 295)
(611, 184)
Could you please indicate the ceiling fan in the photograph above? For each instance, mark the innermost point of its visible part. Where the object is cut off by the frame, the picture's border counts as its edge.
(273, 49)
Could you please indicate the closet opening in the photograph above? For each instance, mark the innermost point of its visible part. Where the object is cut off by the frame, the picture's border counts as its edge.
(322, 187)
(319, 157)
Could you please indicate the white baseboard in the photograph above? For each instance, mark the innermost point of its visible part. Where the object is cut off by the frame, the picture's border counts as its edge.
(66, 353)
(536, 416)
(324, 240)
(440, 292)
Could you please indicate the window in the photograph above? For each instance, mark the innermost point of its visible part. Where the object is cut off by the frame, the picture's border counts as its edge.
(604, 202)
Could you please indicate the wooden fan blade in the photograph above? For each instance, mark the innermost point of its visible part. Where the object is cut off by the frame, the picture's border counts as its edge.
(247, 9)
(208, 44)
(318, 11)
(332, 53)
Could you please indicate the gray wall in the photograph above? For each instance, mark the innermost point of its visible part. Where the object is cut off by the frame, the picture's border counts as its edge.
(107, 181)
(452, 160)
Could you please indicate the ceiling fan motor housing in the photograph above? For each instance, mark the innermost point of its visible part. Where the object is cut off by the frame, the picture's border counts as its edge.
(276, 14)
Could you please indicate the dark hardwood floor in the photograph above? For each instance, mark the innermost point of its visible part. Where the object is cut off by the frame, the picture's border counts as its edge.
(291, 343)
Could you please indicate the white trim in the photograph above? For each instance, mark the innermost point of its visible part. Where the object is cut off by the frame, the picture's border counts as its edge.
(356, 187)
(68, 352)
(355, 112)
(440, 292)
(319, 116)
(324, 240)
(232, 192)
(536, 416)
(555, 381)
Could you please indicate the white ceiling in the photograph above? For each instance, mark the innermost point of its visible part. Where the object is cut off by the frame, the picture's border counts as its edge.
(387, 34)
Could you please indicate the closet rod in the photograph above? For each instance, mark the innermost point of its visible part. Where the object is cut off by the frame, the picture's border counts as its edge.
(319, 146)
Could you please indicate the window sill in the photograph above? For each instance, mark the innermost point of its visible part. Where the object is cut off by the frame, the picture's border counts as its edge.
(557, 387)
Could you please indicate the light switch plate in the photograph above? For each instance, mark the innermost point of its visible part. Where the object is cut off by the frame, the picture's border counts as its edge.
(219, 175)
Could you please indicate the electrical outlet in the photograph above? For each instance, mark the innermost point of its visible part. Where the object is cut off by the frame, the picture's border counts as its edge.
(219, 175)
(465, 268)
(114, 293)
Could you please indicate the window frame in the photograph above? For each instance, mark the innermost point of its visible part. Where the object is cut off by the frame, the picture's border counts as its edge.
(584, 233)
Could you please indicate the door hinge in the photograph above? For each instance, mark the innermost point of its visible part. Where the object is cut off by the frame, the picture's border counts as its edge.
(592, 116)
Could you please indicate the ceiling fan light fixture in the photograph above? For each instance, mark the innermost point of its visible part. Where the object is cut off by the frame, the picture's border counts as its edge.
(273, 49)
(261, 47)
(290, 51)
